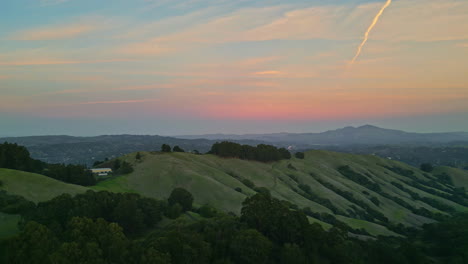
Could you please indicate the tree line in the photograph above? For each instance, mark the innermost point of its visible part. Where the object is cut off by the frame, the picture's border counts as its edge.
(13, 156)
(106, 227)
(262, 152)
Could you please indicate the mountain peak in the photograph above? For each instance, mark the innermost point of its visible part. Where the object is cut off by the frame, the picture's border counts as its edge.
(368, 127)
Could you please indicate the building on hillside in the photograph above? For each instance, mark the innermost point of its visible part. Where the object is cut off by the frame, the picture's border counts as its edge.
(102, 171)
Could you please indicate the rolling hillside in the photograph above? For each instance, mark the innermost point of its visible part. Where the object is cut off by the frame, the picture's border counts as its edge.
(355, 194)
(35, 187)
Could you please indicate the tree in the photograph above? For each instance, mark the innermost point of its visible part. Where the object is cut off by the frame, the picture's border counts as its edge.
(165, 148)
(273, 219)
(138, 156)
(427, 167)
(285, 154)
(292, 254)
(153, 256)
(299, 155)
(33, 245)
(177, 149)
(207, 211)
(126, 168)
(116, 165)
(182, 197)
(249, 246)
(174, 211)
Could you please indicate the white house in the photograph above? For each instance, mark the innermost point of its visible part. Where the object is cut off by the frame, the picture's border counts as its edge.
(102, 171)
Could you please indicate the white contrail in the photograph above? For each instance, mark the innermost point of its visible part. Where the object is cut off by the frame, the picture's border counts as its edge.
(366, 36)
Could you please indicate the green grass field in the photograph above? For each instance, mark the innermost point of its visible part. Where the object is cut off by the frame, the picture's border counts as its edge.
(35, 187)
(213, 180)
(459, 177)
(219, 182)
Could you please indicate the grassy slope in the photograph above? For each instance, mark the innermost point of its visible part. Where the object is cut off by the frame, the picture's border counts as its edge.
(35, 187)
(459, 177)
(212, 180)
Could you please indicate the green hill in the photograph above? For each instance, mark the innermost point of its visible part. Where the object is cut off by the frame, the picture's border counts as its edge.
(402, 193)
(35, 187)
(458, 176)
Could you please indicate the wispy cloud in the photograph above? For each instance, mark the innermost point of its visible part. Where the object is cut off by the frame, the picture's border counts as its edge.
(406, 21)
(55, 32)
(52, 2)
(57, 62)
(119, 102)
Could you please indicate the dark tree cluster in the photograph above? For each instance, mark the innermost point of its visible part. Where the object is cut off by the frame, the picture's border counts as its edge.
(93, 228)
(17, 157)
(167, 148)
(299, 155)
(75, 174)
(14, 204)
(13, 156)
(358, 178)
(121, 167)
(426, 167)
(262, 152)
(131, 211)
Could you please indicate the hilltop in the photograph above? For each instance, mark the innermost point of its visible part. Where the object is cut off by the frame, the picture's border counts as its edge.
(359, 190)
(35, 187)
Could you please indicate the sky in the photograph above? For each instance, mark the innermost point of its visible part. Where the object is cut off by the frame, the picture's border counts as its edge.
(172, 67)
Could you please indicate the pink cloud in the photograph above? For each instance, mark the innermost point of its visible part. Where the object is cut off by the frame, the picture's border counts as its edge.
(267, 73)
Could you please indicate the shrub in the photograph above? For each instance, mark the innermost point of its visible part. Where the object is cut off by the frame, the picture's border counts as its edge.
(248, 183)
(238, 189)
(207, 211)
(427, 167)
(178, 149)
(299, 155)
(262, 190)
(375, 200)
(125, 168)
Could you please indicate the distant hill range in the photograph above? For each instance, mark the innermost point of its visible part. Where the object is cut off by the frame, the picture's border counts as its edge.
(413, 148)
(368, 135)
(87, 150)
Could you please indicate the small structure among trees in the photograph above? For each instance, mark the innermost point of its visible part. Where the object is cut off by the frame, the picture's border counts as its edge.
(101, 171)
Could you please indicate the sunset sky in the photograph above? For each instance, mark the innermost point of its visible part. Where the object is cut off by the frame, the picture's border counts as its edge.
(87, 67)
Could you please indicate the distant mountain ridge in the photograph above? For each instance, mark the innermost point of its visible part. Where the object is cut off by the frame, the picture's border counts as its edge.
(87, 150)
(366, 134)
